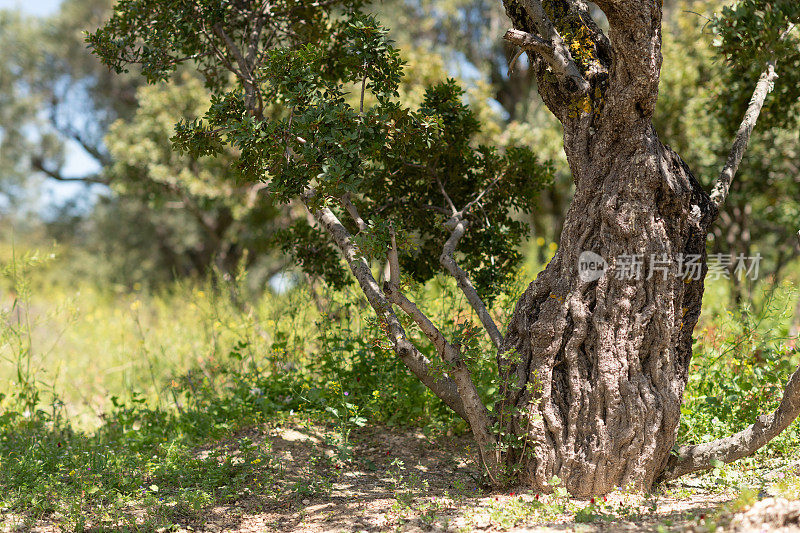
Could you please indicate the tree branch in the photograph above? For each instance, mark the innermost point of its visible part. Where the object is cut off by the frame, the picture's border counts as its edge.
(255, 35)
(635, 39)
(764, 86)
(445, 388)
(394, 261)
(353, 212)
(550, 46)
(37, 163)
(458, 227)
(477, 414)
(723, 184)
(93, 150)
(766, 427)
(233, 49)
(560, 52)
(252, 96)
(453, 209)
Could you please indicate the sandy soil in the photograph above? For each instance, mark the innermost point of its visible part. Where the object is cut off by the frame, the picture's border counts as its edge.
(436, 489)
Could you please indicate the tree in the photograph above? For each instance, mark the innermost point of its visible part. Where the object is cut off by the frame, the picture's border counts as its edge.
(58, 99)
(592, 369)
(695, 113)
(229, 222)
(55, 95)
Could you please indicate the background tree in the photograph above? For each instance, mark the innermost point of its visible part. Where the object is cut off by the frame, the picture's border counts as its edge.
(60, 101)
(695, 113)
(592, 371)
(56, 96)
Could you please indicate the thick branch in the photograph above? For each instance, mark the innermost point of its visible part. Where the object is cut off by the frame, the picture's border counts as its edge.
(477, 414)
(445, 388)
(551, 47)
(763, 88)
(561, 54)
(635, 38)
(459, 228)
(529, 42)
(766, 427)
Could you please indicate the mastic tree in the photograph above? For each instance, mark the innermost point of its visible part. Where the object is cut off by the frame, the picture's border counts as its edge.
(592, 368)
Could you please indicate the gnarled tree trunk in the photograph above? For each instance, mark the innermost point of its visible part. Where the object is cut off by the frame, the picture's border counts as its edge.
(600, 366)
(606, 361)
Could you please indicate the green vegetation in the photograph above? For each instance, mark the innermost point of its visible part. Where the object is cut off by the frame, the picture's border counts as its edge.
(149, 359)
(173, 417)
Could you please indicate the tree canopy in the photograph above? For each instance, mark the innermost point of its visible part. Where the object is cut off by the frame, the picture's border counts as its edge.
(312, 110)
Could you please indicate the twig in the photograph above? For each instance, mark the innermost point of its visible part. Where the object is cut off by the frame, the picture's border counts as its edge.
(447, 197)
(480, 196)
(764, 86)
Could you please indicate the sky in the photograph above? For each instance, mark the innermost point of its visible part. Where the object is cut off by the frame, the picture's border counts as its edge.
(32, 7)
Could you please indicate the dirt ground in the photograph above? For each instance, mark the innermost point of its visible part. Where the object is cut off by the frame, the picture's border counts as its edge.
(398, 480)
(404, 481)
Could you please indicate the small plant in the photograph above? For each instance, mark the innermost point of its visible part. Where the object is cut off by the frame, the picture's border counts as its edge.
(739, 370)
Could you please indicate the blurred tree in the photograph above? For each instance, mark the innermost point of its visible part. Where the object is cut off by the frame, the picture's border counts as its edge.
(57, 100)
(56, 97)
(229, 218)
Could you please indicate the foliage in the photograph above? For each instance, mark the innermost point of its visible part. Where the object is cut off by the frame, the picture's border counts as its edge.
(750, 34)
(62, 107)
(56, 98)
(702, 99)
(221, 222)
(395, 161)
(741, 365)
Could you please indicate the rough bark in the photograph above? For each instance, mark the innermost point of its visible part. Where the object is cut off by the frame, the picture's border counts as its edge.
(597, 368)
(601, 366)
(593, 370)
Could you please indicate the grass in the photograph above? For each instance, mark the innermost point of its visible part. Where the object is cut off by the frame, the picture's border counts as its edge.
(147, 408)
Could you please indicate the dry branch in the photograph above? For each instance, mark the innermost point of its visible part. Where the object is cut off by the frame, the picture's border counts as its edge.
(766, 427)
(763, 88)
